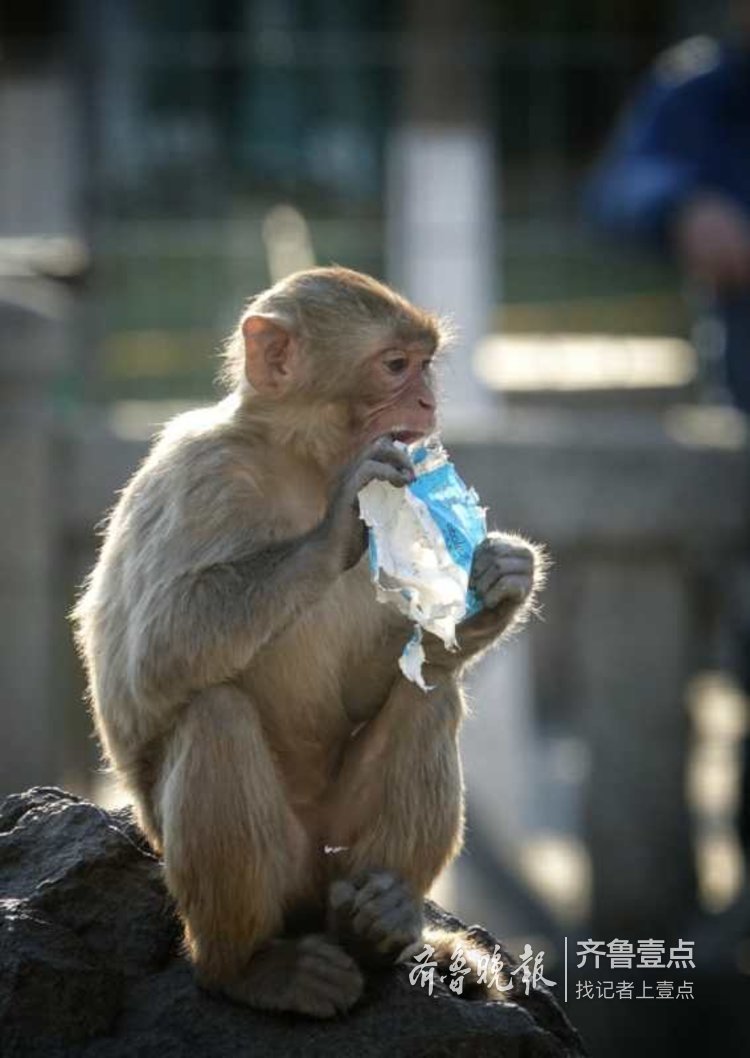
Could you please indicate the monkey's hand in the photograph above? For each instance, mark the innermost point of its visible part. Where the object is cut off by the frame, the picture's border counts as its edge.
(376, 917)
(342, 529)
(506, 572)
(502, 572)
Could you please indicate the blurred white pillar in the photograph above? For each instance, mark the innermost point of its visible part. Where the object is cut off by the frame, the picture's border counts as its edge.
(442, 210)
(441, 251)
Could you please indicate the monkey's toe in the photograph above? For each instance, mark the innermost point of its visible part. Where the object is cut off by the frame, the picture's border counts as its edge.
(311, 975)
(327, 981)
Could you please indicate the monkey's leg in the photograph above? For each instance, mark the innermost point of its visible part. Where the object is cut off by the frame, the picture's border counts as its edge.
(398, 813)
(236, 857)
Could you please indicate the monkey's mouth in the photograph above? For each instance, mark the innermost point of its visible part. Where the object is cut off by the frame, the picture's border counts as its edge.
(408, 437)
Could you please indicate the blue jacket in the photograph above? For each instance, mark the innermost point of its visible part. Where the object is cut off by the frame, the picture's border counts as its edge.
(687, 130)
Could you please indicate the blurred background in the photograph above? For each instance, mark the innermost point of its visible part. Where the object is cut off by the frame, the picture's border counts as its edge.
(162, 161)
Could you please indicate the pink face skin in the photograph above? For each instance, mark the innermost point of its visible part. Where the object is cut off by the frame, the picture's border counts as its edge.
(398, 397)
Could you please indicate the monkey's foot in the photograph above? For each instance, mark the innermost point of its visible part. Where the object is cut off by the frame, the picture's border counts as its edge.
(376, 917)
(308, 975)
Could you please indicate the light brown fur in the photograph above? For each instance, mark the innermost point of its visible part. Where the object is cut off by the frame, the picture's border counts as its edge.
(245, 686)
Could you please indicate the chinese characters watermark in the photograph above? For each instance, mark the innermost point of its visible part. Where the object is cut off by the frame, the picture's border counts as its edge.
(618, 954)
(646, 954)
(488, 970)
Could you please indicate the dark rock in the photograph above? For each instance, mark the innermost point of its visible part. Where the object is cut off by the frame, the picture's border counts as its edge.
(90, 965)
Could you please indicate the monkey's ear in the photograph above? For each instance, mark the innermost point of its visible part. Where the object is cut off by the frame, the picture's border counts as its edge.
(271, 355)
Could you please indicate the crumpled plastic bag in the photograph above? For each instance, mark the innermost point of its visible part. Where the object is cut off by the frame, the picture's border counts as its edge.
(421, 542)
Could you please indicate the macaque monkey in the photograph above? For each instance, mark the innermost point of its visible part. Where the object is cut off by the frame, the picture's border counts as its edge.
(244, 679)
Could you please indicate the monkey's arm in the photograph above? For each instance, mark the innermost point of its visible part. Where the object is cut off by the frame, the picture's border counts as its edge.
(223, 589)
(206, 624)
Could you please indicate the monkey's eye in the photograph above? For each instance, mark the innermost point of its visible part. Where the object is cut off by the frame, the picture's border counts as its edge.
(397, 364)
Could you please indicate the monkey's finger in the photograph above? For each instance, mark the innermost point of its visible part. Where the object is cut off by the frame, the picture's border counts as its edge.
(489, 584)
(486, 580)
(491, 551)
(376, 884)
(501, 567)
(399, 925)
(384, 879)
(369, 914)
(383, 900)
(507, 589)
(340, 894)
(375, 471)
(483, 583)
(387, 450)
(396, 939)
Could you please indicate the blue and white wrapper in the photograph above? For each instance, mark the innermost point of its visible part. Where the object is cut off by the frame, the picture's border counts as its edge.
(421, 544)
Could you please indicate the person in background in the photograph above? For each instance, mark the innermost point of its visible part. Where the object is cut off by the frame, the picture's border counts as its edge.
(676, 177)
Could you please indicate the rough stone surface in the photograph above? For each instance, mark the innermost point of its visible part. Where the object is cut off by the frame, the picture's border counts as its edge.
(90, 965)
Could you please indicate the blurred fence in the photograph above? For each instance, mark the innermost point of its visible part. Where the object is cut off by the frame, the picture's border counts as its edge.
(194, 136)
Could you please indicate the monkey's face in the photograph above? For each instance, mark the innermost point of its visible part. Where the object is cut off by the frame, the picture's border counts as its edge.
(356, 385)
(397, 393)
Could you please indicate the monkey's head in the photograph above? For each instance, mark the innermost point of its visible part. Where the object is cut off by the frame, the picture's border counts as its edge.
(340, 345)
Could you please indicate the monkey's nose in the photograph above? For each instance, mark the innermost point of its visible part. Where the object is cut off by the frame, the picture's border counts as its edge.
(426, 400)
